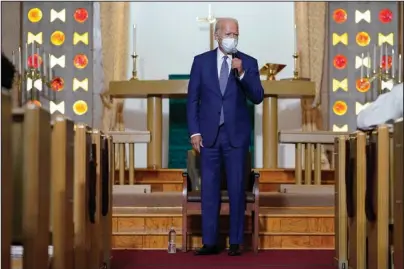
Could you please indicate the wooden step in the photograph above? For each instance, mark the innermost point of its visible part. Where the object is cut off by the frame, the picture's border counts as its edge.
(165, 180)
(280, 228)
(125, 198)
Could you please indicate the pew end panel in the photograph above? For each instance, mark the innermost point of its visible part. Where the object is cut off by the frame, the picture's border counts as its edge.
(36, 186)
(398, 195)
(6, 179)
(341, 218)
(62, 176)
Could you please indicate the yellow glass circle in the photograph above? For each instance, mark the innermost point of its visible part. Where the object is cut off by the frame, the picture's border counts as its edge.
(58, 38)
(34, 15)
(80, 107)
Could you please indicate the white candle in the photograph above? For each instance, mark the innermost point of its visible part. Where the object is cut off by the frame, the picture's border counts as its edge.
(387, 60)
(39, 63)
(44, 63)
(134, 39)
(19, 60)
(393, 68)
(295, 32)
(369, 66)
(374, 59)
(26, 56)
(381, 57)
(362, 67)
(50, 69)
(400, 69)
(209, 11)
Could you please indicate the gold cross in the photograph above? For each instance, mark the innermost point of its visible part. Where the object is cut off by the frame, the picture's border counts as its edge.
(211, 20)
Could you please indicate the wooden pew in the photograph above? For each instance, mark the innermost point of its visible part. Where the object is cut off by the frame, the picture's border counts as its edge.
(363, 197)
(58, 171)
(62, 175)
(6, 179)
(93, 191)
(31, 164)
(398, 195)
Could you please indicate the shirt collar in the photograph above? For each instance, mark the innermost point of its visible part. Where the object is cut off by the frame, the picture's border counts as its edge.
(220, 55)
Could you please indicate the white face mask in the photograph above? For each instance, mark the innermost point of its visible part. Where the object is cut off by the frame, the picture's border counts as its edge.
(229, 45)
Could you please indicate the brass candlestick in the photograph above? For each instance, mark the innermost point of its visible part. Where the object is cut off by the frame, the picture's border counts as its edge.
(134, 70)
(296, 70)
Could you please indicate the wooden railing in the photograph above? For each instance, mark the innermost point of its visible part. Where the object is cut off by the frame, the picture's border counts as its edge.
(60, 176)
(367, 171)
(309, 143)
(120, 140)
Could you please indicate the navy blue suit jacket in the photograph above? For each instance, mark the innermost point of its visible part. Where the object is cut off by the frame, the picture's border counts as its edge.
(204, 99)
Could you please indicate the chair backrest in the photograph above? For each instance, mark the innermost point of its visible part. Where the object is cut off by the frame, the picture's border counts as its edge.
(194, 172)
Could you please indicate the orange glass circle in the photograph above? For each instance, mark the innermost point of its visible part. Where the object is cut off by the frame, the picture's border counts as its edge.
(80, 107)
(339, 15)
(362, 85)
(80, 61)
(58, 38)
(34, 15)
(57, 84)
(363, 39)
(340, 108)
(35, 102)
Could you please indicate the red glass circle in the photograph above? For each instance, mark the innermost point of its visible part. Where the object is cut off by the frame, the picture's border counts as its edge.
(385, 15)
(34, 61)
(81, 15)
(340, 15)
(340, 61)
(387, 62)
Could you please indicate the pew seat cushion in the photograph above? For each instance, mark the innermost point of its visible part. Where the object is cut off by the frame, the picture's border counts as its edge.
(195, 197)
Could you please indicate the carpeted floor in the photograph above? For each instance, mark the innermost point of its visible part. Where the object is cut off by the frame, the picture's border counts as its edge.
(276, 259)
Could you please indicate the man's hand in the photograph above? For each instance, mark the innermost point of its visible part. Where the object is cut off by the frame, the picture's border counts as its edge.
(196, 142)
(237, 64)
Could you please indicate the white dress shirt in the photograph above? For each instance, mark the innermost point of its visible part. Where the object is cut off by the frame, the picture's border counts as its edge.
(220, 56)
(386, 109)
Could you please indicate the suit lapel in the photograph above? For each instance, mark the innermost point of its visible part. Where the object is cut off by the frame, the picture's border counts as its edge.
(214, 70)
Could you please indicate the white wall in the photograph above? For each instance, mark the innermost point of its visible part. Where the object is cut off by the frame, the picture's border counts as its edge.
(168, 37)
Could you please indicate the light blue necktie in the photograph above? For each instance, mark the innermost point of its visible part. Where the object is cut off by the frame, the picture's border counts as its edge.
(224, 76)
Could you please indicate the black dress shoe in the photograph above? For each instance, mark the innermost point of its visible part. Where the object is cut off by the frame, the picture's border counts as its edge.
(207, 250)
(234, 250)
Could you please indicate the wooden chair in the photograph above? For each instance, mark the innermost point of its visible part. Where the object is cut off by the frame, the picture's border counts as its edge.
(192, 197)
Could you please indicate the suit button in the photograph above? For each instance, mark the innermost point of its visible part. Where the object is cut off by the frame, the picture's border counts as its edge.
(218, 112)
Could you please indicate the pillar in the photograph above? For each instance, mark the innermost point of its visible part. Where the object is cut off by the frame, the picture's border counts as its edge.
(155, 126)
(270, 132)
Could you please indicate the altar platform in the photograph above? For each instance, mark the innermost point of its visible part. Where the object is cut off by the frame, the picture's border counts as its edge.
(296, 220)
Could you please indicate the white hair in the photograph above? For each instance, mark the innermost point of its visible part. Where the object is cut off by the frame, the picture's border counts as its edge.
(219, 22)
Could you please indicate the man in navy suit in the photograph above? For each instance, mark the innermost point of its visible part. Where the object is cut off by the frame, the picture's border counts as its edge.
(219, 126)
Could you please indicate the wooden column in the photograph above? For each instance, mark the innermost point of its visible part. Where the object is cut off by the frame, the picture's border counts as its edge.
(155, 126)
(270, 132)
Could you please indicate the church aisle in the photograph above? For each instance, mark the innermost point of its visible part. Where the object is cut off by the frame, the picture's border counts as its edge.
(275, 259)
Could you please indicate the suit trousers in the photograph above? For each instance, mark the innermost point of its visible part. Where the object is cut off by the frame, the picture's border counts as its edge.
(233, 158)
